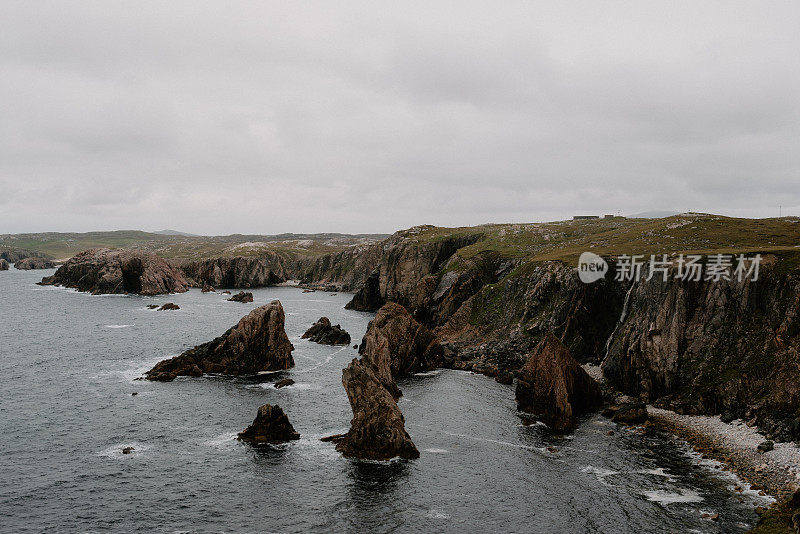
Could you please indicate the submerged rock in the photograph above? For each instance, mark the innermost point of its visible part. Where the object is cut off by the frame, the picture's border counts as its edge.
(257, 343)
(632, 413)
(396, 345)
(283, 383)
(241, 296)
(553, 385)
(3, 265)
(271, 425)
(103, 270)
(152, 306)
(169, 306)
(377, 430)
(127, 450)
(324, 333)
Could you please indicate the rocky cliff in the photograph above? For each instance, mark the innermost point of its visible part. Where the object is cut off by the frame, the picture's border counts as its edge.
(104, 270)
(29, 264)
(344, 271)
(715, 346)
(257, 343)
(237, 272)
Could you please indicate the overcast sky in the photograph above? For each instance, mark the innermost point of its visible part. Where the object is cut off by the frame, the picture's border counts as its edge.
(266, 117)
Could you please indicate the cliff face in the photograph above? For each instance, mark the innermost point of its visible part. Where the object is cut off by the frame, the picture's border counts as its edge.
(257, 343)
(406, 268)
(118, 271)
(346, 271)
(711, 347)
(28, 264)
(237, 272)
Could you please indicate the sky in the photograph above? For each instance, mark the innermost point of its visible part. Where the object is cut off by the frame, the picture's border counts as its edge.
(268, 117)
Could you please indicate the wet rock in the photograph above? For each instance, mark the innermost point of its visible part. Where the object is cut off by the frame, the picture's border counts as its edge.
(324, 333)
(103, 270)
(226, 292)
(765, 446)
(727, 417)
(241, 296)
(335, 438)
(134, 393)
(505, 377)
(29, 264)
(271, 425)
(3, 265)
(257, 343)
(127, 450)
(169, 306)
(152, 306)
(377, 430)
(553, 385)
(396, 345)
(208, 289)
(355, 347)
(632, 413)
(283, 383)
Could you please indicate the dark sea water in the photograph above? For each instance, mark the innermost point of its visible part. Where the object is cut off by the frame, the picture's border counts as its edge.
(67, 367)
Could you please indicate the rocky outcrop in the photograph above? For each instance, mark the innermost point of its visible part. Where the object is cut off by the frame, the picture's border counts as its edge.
(396, 345)
(324, 333)
(169, 306)
(377, 430)
(103, 270)
(709, 347)
(13, 255)
(29, 264)
(271, 425)
(3, 265)
(257, 343)
(406, 260)
(241, 296)
(554, 386)
(208, 289)
(237, 272)
(632, 413)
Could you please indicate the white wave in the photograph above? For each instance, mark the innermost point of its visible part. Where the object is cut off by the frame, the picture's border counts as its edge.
(223, 441)
(664, 497)
(429, 373)
(437, 514)
(436, 451)
(119, 325)
(115, 451)
(659, 472)
(298, 386)
(599, 472)
(328, 359)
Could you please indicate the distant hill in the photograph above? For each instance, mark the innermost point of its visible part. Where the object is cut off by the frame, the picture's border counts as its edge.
(175, 232)
(654, 214)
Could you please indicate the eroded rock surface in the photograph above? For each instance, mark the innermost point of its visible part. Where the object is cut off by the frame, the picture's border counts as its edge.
(396, 345)
(326, 334)
(377, 430)
(103, 270)
(241, 296)
(257, 343)
(554, 386)
(271, 425)
(236, 272)
(28, 264)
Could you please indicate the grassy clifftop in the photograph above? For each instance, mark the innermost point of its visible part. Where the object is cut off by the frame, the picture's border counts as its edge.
(566, 240)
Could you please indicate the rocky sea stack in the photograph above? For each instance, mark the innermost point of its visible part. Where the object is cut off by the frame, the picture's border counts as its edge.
(271, 425)
(324, 333)
(258, 343)
(377, 430)
(396, 345)
(29, 264)
(103, 270)
(554, 386)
